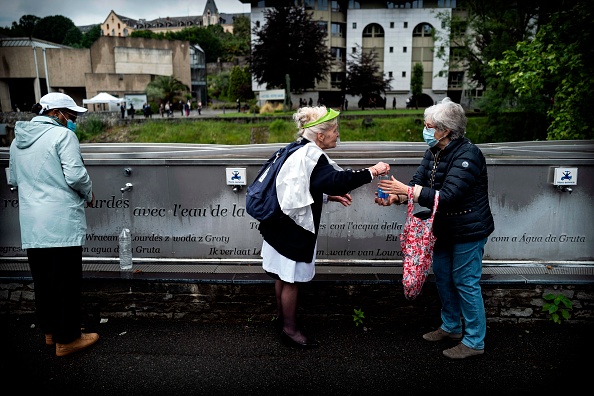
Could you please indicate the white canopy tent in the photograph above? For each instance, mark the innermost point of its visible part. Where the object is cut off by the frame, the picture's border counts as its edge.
(104, 98)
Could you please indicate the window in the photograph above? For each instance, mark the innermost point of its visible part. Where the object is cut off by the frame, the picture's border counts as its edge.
(323, 5)
(459, 28)
(336, 80)
(119, 26)
(373, 30)
(406, 4)
(391, 25)
(337, 30)
(257, 24)
(338, 54)
(405, 25)
(404, 49)
(446, 3)
(309, 4)
(354, 5)
(403, 74)
(354, 25)
(423, 30)
(335, 6)
(391, 50)
(324, 26)
(455, 79)
(354, 50)
(390, 74)
(456, 55)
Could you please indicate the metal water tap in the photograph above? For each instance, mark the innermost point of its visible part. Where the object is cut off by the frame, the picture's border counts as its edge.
(564, 189)
(128, 187)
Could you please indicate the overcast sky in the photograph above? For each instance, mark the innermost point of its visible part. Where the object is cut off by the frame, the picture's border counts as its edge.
(91, 12)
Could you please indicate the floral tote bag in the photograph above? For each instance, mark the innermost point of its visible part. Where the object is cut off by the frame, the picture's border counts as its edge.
(417, 241)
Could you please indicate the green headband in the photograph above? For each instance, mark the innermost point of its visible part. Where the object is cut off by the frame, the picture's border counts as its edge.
(330, 115)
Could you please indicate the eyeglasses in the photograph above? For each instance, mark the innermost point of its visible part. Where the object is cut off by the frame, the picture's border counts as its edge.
(71, 117)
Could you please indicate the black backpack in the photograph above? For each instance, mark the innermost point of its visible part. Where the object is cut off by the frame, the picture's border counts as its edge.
(261, 202)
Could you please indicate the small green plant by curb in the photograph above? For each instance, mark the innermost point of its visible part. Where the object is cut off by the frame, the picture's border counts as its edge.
(559, 304)
(358, 317)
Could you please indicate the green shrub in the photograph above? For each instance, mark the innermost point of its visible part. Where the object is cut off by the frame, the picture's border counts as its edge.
(91, 126)
(559, 304)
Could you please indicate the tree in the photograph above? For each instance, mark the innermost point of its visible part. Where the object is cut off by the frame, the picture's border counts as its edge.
(73, 37)
(166, 88)
(53, 28)
(416, 83)
(91, 36)
(555, 69)
(218, 85)
(488, 29)
(364, 76)
(24, 28)
(238, 44)
(240, 84)
(290, 43)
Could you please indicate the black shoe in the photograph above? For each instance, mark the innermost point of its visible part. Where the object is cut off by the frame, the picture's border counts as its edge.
(307, 344)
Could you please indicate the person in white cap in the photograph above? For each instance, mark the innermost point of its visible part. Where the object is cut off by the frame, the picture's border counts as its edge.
(53, 185)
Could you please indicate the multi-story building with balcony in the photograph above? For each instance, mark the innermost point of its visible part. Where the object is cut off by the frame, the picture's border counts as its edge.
(400, 33)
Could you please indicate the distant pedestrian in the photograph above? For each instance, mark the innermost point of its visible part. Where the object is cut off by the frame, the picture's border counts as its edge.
(168, 110)
(238, 105)
(131, 110)
(181, 108)
(161, 109)
(199, 107)
(394, 103)
(310, 102)
(123, 110)
(188, 106)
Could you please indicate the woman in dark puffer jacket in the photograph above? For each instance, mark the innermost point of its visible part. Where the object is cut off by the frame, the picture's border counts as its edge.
(457, 169)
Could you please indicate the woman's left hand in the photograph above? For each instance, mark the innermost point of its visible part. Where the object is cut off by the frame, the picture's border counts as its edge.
(393, 186)
(345, 199)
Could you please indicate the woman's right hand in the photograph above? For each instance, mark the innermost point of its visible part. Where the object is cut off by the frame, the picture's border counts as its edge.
(392, 199)
(381, 168)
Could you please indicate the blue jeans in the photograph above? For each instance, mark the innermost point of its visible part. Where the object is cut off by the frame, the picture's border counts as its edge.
(458, 270)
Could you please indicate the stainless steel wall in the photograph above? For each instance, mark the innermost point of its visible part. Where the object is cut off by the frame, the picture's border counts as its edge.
(181, 209)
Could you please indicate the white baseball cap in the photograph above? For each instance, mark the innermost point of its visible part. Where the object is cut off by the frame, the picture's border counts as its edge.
(58, 100)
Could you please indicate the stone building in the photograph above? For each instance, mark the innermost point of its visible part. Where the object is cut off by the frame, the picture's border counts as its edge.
(122, 26)
(121, 66)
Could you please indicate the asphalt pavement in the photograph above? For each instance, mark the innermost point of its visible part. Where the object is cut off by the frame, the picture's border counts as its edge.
(155, 357)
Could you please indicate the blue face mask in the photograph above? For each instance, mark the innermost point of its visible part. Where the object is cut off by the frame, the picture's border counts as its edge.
(429, 136)
(71, 125)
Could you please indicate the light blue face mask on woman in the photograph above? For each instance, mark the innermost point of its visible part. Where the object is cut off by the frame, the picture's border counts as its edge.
(429, 136)
(71, 125)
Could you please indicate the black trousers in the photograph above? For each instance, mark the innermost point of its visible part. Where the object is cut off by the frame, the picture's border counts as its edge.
(57, 278)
